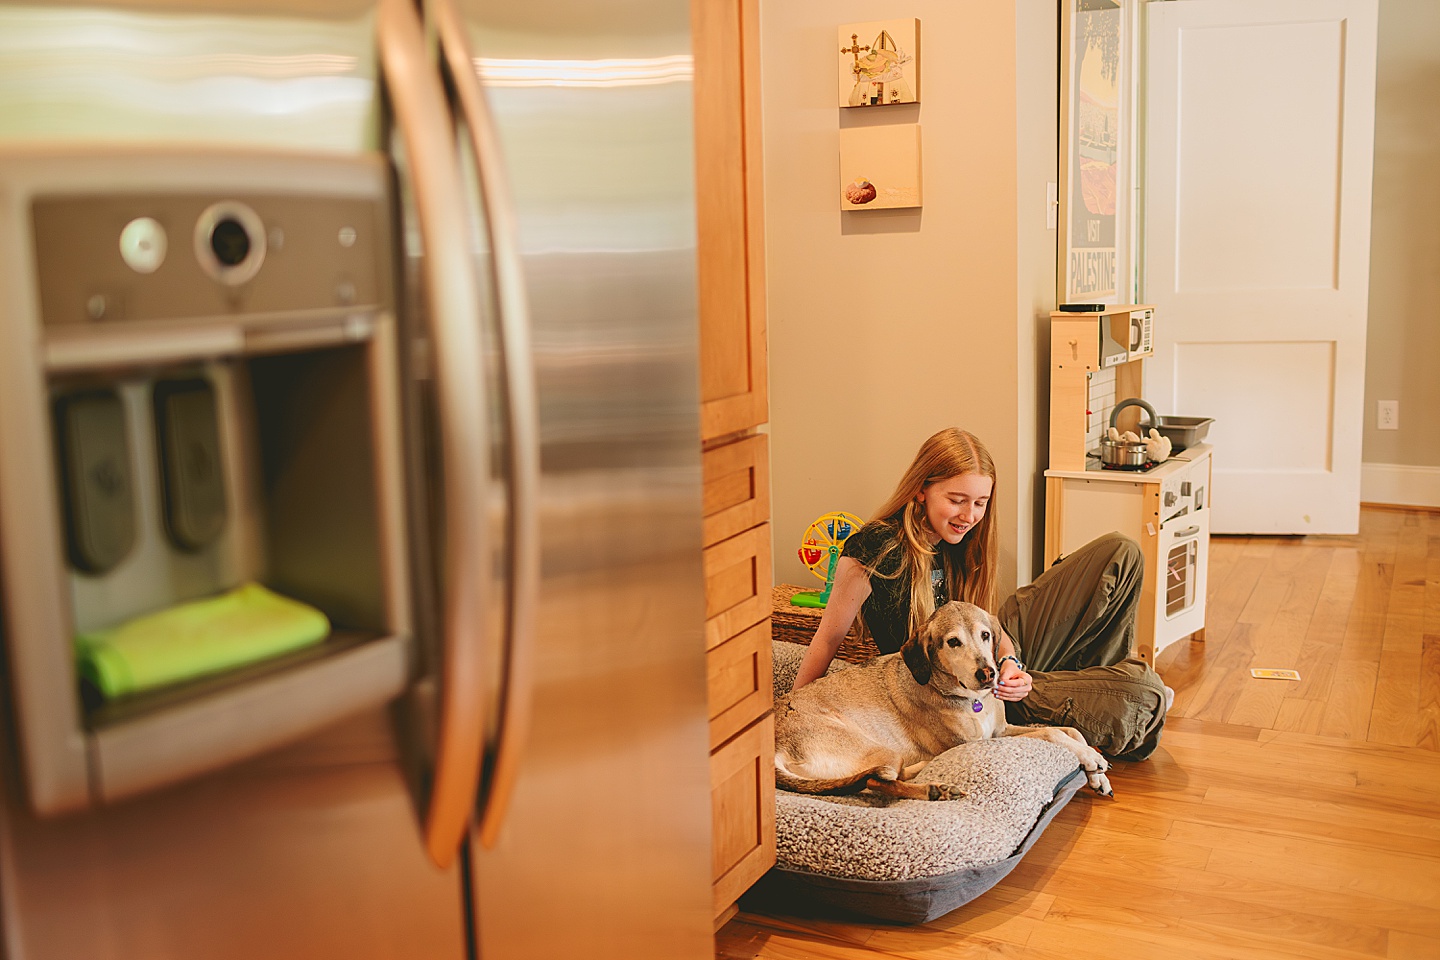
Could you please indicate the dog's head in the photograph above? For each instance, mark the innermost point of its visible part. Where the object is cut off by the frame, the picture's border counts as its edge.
(955, 650)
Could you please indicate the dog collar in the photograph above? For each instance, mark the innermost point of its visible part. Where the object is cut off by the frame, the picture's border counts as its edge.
(977, 704)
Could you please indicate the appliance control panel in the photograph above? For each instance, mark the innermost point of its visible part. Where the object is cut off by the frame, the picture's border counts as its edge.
(171, 256)
(1142, 331)
(1183, 492)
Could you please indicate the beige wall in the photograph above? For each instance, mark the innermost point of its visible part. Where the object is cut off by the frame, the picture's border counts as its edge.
(1403, 346)
(1038, 119)
(886, 326)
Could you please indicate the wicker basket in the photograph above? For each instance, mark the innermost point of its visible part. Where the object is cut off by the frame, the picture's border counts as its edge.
(797, 625)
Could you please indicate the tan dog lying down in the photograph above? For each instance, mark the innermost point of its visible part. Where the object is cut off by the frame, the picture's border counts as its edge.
(878, 724)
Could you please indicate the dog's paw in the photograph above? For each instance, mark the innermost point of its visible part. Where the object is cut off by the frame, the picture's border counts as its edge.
(945, 791)
(1094, 761)
(1099, 783)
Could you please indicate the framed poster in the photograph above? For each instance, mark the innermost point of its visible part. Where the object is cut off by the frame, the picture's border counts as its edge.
(1097, 143)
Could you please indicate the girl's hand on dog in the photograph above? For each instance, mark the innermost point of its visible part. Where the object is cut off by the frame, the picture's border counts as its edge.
(1015, 684)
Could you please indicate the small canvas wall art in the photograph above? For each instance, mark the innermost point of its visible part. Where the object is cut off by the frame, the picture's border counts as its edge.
(879, 63)
(880, 167)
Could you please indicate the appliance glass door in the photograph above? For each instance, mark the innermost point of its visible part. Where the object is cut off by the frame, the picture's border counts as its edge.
(1180, 568)
(1184, 555)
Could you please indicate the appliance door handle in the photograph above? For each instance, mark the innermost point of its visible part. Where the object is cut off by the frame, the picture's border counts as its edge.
(453, 309)
(1187, 532)
(522, 410)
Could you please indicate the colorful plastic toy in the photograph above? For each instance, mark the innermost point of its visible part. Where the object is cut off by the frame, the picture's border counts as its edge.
(820, 551)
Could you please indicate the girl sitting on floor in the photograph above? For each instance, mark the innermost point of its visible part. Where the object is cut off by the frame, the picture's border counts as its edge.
(933, 541)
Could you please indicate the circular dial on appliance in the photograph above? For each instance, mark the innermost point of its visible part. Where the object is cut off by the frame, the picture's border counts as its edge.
(230, 242)
(143, 244)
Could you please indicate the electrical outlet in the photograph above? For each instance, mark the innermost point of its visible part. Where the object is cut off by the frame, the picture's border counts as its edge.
(1387, 416)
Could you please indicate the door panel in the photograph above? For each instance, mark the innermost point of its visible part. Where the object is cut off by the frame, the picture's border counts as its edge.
(1259, 128)
(1289, 184)
(1298, 410)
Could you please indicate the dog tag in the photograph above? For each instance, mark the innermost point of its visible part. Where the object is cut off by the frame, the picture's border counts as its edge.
(977, 706)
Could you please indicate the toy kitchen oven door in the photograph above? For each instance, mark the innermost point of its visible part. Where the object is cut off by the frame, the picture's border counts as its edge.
(199, 399)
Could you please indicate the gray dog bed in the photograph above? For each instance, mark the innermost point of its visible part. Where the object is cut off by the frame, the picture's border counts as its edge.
(909, 861)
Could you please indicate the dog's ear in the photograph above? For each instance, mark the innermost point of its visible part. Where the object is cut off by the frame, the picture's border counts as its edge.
(996, 632)
(916, 653)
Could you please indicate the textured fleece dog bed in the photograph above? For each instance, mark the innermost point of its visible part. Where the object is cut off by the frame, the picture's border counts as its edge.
(909, 861)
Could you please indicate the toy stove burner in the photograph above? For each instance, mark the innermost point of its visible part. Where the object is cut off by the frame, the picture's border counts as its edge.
(1147, 465)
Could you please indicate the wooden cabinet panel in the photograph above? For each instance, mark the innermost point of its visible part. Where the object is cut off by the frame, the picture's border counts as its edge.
(742, 785)
(737, 487)
(734, 402)
(740, 682)
(1074, 355)
(729, 208)
(737, 584)
(719, 142)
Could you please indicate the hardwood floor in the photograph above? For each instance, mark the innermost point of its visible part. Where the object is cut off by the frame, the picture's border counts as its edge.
(1277, 820)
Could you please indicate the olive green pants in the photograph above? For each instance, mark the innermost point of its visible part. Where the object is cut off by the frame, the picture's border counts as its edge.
(1074, 628)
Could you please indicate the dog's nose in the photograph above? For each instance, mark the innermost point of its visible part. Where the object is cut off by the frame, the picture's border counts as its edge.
(984, 675)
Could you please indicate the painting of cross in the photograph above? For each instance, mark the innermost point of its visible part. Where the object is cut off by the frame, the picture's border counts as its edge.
(884, 71)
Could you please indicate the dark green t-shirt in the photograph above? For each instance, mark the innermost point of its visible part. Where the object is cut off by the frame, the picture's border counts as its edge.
(886, 611)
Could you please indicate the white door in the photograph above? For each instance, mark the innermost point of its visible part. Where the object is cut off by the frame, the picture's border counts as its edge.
(1259, 124)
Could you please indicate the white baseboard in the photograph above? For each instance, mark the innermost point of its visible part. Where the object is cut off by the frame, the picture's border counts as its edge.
(1400, 484)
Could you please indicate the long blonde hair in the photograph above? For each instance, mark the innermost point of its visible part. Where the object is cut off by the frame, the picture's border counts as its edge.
(970, 565)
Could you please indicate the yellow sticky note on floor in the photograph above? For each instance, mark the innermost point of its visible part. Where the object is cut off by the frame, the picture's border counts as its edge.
(1262, 673)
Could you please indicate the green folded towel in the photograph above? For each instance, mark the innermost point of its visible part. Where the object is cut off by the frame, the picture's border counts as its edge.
(242, 626)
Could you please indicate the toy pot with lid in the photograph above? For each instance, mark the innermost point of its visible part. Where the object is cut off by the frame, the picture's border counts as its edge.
(1127, 453)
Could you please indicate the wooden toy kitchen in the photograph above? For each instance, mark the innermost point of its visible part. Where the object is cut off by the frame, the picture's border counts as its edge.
(1097, 381)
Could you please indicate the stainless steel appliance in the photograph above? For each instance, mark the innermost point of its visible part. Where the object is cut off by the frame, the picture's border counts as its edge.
(393, 311)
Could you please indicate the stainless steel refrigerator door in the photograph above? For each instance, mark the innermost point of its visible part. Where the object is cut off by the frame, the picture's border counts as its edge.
(309, 454)
(313, 849)
(278, 74)
(604, 850)
(315, 846)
